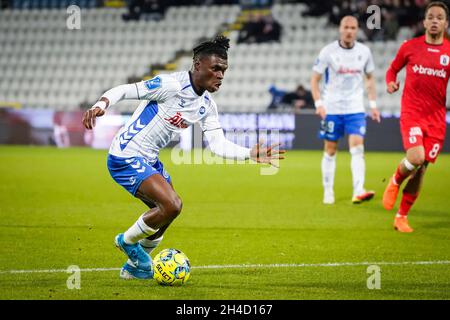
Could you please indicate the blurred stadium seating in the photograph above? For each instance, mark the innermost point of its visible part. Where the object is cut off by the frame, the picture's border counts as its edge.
(46, 65)
(52, 4)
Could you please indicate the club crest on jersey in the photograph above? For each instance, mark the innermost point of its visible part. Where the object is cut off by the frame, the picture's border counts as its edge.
(445, 60)
(202, 110)
(153, 84)
(177, 121)
(182, 102)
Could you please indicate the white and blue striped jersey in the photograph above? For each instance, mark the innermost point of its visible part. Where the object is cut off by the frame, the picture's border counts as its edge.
(169, 105)
(344, 70)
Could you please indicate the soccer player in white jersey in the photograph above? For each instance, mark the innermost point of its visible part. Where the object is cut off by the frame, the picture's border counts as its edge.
(346, 65)
(170, 103)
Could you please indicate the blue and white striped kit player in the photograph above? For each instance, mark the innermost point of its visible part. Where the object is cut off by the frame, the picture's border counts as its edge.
(345, 64)
(169, 106)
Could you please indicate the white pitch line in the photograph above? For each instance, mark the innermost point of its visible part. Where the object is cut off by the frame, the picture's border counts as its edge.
(245, 266)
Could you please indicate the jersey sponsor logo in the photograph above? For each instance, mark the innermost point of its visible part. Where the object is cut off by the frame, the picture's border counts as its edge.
(444, 60)
(177, 121)
(153, 84)
(429, 71)
(343, 70)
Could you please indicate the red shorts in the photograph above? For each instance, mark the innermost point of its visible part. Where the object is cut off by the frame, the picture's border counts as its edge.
(420, 133)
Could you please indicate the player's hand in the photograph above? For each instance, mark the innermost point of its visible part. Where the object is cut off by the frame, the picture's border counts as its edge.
(321, 112)
(90, 115)
(375, 114)
(271, 154)
(393, 86)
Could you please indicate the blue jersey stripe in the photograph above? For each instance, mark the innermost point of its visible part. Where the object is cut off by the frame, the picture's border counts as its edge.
(140, 123)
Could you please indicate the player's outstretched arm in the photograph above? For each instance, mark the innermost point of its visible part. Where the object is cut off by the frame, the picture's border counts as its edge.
(222, 147)
(160, 88)
(270, 155)
(109, 98)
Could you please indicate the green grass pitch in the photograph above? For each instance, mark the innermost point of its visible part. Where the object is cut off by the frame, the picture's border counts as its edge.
(60, 207)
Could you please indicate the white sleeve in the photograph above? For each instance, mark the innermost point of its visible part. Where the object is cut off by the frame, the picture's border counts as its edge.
(218, 144)
(224, 148)
(116, 94)
(321, 62)
(211, 120)
(159, 89)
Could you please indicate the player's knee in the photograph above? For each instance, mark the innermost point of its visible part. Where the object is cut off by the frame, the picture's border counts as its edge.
(331, 153)
(173, 207)
(330, 150)
(417, 159)
(357, 150)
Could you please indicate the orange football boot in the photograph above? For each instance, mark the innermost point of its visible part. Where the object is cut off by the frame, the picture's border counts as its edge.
(401, 224)
(365, 196)
(390, 194)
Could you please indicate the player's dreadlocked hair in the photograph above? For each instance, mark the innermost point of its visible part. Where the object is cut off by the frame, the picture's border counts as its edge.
(218, 46)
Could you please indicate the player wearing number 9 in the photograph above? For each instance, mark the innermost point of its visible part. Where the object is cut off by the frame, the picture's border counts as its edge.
(422, 118)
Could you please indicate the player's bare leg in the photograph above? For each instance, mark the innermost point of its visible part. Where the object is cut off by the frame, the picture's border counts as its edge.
(151, 242)
(328, 170)
(168, 203)
(358, 166)
(410, 194)
(165, 205)
(415, 157)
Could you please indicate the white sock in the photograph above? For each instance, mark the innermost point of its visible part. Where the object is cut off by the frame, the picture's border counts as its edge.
(358, 166)
(139, 230)
(150, 245)
(328, 169)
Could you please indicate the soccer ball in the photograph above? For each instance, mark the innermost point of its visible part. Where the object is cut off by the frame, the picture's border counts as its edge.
(171, 267)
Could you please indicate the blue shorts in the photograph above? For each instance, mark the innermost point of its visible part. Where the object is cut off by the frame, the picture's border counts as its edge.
(336, 126)
(130, 172)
